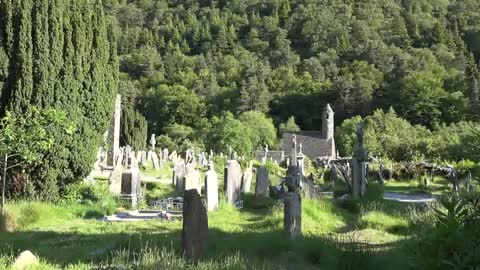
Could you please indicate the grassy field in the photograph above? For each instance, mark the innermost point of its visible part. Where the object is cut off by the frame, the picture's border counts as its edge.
(363, 234)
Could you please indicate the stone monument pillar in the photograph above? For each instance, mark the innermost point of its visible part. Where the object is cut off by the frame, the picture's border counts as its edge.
(114, 132)
(294, 150)
(359, 162)
(301, 161)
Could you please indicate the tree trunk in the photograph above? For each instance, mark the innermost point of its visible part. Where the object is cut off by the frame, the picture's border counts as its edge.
(4, 180)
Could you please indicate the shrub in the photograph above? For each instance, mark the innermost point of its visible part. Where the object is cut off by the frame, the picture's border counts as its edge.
(88, 194)
(454, 241)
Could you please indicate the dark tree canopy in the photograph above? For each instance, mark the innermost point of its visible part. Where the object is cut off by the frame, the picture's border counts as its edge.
(60, 54)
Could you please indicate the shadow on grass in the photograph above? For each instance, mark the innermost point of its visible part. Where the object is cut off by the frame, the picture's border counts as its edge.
(274, 247)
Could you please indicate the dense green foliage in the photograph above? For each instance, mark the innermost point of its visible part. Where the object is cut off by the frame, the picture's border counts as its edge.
(389, 136)
(133, 129)
(290, 57)
(24, 142)
(60, 54)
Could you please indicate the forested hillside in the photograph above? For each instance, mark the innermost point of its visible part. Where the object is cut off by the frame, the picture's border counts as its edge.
(184, 60)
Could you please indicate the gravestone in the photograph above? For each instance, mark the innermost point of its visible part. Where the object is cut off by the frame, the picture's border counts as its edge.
(233, 180)
(179, 177)
(195, 226)
(193, 180)
(149, 155)
(211, 188)
(293, 178)
(143, 157)
(138, 156)
(292, 215)
(156, 164)
(301, 160)
(359, 162)
(131, 185)
(173, 156)
(160, 157)
(165, 154)
(247, 178)
(115, 181)
(128, 152)
(262, 182)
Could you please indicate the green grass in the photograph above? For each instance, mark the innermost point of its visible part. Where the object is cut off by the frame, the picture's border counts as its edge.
(437, 187)
(365, 234)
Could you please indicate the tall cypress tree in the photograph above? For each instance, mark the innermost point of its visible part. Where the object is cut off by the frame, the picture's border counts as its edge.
(60, 54)
(134, 129)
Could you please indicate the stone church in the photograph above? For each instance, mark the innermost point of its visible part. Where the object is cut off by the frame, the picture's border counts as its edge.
(316, 144)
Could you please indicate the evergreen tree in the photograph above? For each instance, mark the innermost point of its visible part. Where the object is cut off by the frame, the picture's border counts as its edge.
(133, 129)
(60, 54)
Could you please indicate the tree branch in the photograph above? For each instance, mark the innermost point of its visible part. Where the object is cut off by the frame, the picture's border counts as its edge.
(15, 165)
(14, 155)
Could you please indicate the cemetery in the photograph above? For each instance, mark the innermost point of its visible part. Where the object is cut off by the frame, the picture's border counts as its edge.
(156, 209)
(238, 135)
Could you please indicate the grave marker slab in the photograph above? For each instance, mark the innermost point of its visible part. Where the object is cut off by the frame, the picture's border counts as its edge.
(193, 180)
(262, 182)
(233, 180)
(195, 226)
(292, 215)
(211, 189)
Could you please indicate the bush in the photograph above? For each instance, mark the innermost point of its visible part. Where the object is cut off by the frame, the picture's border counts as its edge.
(454, 241)
(88, 194)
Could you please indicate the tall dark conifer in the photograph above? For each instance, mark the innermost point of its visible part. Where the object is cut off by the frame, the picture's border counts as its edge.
(60, 54)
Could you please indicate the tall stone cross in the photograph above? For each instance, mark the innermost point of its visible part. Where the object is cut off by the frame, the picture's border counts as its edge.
(294, 150)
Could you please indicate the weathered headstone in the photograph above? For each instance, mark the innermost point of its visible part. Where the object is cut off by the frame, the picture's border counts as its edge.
(149, 155)
(262, 182)
(247, 178)
(115, 181)
(128, 152)
(179, 176)
(233, 180)
(173, 156)
(211, 189)
(131, 185)
(165, 154)
(193, 180)
(138, 156)
(195, 226)
(301, 160)
(156, 164)
(359, 162)
(143, 157)
(293, 178)
(292, 215)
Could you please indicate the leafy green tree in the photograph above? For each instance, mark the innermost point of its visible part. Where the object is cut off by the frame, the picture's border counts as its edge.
(289, 125)
(262, 130)
(226, 132)
(420, 98)
(168, 105)
(26, 139)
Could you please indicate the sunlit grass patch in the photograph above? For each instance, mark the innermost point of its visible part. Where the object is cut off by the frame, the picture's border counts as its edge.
(384, 222)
